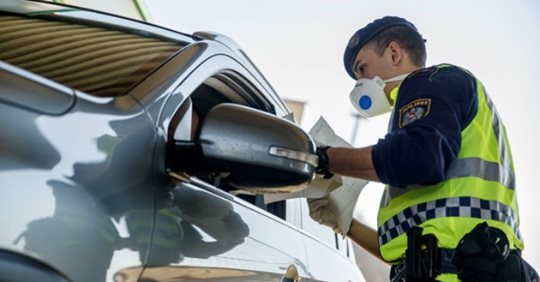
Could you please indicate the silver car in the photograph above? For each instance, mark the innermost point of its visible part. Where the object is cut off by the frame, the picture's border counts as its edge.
(130, 152)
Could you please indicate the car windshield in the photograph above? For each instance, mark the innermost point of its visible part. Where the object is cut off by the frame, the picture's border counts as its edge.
(97, 60)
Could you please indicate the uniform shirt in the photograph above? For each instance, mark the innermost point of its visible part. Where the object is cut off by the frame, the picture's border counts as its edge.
(433, 106)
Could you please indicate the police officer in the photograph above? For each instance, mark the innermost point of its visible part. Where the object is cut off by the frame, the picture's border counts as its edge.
(449, 207)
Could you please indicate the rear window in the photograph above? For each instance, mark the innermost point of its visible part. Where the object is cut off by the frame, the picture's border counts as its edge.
(96, 60)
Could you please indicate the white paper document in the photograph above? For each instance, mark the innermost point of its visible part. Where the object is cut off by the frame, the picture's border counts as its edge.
(342, 191)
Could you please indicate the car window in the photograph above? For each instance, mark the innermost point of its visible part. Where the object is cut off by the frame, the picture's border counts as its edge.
(223, 87)
(99, 60)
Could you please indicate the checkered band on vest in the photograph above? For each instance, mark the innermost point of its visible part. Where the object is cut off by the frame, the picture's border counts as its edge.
(450, 207)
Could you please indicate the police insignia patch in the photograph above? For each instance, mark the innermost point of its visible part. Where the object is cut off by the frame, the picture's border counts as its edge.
(413, 111)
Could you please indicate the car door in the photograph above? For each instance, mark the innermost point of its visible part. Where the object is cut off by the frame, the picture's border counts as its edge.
(74, 186)
(204, 230)
(331, 256)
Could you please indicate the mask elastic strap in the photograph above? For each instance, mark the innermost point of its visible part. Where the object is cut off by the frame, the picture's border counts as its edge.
(398, 78)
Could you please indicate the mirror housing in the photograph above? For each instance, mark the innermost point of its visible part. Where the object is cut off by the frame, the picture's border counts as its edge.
(257, 151)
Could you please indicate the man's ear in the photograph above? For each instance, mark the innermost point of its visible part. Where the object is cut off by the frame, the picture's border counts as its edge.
(396, 53)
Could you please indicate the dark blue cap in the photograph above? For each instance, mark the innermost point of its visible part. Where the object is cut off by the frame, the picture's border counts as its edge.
(365, 34)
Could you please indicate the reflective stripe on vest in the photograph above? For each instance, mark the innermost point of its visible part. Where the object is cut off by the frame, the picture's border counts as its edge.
(476, 167)
(483, 169)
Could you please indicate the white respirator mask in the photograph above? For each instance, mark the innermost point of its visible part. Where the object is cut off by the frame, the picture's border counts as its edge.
(368, 96)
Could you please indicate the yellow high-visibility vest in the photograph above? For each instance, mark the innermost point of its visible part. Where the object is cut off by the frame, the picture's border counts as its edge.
(479, 186)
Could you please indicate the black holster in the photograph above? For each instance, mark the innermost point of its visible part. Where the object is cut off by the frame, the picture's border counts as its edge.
(422, 255)
(484, 255)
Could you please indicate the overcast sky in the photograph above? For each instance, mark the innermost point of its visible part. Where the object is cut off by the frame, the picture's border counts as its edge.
(299, 44)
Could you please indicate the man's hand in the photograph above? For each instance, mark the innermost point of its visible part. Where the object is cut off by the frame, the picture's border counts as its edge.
(322, 212)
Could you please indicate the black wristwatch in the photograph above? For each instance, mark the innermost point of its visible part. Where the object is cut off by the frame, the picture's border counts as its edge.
(322, 167)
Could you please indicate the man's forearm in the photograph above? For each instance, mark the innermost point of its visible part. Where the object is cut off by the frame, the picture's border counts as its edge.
(351, 162)
(365, 237)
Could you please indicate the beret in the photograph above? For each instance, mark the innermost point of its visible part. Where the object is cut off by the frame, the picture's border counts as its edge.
(365, 34)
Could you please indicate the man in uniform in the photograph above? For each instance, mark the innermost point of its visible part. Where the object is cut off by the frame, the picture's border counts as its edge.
(449, 207)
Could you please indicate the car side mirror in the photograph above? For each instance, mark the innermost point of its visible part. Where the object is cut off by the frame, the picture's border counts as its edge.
(255, 150)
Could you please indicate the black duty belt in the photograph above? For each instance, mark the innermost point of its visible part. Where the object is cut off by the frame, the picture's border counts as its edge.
(481, 255)
(443, 264)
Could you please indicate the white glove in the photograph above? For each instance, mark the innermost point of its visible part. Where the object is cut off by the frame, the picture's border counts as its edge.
(322, 211)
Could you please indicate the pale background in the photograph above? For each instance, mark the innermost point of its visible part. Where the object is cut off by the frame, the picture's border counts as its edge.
(298, 45)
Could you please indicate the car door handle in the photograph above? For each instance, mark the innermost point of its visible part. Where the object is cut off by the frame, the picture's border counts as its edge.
(291, 275)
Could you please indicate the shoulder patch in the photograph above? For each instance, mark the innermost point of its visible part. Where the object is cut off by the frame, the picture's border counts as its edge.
(415, 110)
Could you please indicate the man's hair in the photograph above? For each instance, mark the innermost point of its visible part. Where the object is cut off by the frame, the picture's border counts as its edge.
(407, 39)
